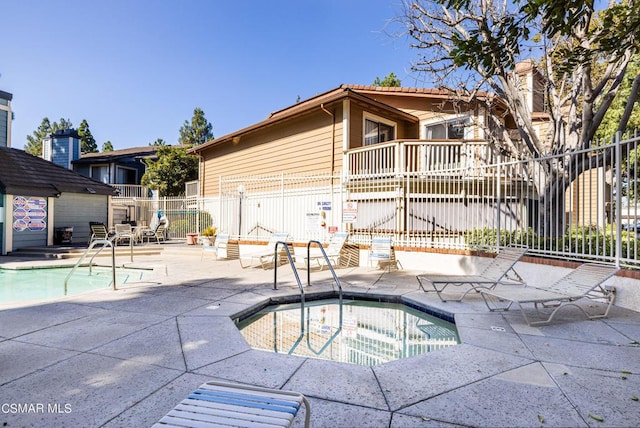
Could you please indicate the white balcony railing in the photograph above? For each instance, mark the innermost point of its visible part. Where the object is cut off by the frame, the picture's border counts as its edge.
(132, 191)
(437, 157)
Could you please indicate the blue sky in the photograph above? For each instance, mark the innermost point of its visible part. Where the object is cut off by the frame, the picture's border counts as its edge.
(136, 69)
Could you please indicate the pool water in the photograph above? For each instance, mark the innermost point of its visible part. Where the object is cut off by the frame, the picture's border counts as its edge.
(371, 332)
(19, 285)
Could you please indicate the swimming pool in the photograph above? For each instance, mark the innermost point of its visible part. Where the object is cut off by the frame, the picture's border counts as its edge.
(19, 285)
(370, 333)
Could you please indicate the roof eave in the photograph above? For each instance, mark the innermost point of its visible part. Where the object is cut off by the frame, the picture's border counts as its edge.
(322, 100)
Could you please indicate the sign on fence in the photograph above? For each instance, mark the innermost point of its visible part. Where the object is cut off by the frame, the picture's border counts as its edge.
(324, 205)
(312, 223)
(349, 212)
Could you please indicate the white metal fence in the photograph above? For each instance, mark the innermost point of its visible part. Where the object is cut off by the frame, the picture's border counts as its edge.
(307, 207)
(432, 195)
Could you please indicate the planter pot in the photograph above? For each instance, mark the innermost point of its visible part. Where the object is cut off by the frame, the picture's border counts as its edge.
(192, 238)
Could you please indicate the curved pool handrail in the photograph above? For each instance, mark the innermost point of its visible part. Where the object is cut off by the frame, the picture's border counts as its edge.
(104, 243)
(337, 282)
(326, 258)
(302, 296)
(295, 273)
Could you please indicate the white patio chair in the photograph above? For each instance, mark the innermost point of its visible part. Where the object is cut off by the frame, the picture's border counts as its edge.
(500, 269)
(265, 256)
(584, 282)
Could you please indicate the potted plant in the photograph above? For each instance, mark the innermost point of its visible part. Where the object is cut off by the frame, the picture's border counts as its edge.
(209, 234)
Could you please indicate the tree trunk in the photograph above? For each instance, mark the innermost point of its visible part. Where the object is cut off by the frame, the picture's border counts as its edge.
(551, 216)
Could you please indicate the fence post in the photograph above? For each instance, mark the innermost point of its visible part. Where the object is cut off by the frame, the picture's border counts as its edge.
(282, 214)
(618, 207)
(399, 161)
(498, 202)
(221, 224)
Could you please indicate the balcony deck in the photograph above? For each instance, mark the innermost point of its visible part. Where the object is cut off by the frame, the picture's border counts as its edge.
(459, 158)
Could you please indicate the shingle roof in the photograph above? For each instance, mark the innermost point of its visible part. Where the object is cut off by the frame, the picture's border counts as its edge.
(28, 175)
(400, 90)
(138, 152)
(6, 95)
(370, 90)
(324, 99)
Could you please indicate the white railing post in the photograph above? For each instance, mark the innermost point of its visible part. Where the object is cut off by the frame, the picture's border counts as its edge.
(498, 202)
(283, 202)
(618, 207)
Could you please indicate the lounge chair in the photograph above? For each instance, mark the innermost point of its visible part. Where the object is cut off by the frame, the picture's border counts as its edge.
(156, 232)
(332, 251)
(219, 247)
(216, 404)
(99, 231)
(383, 254)
(266, 256)
(584, 282)
(500, 269)
(124, 231)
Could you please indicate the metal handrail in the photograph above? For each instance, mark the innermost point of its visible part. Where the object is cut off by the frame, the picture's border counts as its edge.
(112, 240)
(337, 281)
(326, 258)
(275, 286)
(105, 243)
(302, 298)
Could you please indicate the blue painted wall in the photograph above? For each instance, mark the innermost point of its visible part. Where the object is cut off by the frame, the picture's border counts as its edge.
(61, 154)
(4, 128)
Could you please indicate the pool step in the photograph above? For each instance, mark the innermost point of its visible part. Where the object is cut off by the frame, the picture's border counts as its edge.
(71, 252)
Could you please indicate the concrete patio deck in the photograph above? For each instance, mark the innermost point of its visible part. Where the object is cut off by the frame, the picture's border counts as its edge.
(124, 358)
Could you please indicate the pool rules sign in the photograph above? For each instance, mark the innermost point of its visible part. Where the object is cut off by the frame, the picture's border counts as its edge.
(349, 212)
(29, 213)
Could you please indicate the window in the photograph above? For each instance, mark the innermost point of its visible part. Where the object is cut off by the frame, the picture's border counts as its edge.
(456, 129)
(100, 173)
(126, 175)
(376, 131)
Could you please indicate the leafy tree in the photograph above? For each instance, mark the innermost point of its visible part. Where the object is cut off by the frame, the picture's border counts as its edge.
(612, 118)
(199, 131)
(170, 171)
(34, 141)
(610, 125)
(87, 142)
(46, 128)
(107, 146)
(158, 142)
(474, 45)
(63, 124)
(390, 81)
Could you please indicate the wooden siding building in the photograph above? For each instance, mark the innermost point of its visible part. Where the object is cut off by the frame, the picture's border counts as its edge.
(397, 150)
(315, 136)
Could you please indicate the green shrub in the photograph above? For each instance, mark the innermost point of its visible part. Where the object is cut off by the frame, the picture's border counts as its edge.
(486, 237)
(588, 240)
(180, 228)
(188, 221)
